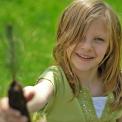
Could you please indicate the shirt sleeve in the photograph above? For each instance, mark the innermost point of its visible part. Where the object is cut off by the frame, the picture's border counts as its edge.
(53, 75)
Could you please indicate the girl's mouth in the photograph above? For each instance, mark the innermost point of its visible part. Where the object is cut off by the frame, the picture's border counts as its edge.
(85, 57)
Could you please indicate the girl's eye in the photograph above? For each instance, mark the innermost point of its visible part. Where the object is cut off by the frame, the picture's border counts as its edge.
(99, 40)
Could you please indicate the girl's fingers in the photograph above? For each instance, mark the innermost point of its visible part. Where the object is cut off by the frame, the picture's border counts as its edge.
(8, 114)
(12, 112)
(12, 115)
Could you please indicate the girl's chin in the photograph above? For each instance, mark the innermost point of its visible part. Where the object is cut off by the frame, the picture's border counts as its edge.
(79, 68)
(85, 67)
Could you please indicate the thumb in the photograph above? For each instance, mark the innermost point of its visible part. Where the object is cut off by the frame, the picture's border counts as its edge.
(4, 103)
(29, 93)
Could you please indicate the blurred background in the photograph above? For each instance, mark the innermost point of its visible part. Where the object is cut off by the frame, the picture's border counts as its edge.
(34, 27)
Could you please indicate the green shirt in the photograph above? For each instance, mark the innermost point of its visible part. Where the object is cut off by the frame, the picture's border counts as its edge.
(63, 107)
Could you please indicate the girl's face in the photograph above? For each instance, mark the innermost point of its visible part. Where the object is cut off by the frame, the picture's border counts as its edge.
(92, 48)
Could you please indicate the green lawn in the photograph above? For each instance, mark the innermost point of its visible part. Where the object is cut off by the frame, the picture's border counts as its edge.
(35, 27)
(35, 24)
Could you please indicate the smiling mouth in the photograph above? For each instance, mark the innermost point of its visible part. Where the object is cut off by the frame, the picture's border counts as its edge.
(85, 57)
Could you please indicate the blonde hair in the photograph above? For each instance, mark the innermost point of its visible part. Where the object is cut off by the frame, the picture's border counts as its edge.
(75, 20)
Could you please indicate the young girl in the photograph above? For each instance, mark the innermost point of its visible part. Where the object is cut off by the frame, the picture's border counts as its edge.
(85, 85)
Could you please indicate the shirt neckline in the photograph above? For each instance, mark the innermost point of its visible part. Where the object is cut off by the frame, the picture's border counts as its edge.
(85, 99)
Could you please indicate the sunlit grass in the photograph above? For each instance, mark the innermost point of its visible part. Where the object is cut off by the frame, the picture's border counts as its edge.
(34, 26)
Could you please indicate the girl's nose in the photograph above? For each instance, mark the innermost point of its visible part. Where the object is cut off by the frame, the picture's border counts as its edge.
(86, 45)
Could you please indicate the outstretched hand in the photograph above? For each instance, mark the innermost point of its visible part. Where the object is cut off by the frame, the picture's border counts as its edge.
(8, 114)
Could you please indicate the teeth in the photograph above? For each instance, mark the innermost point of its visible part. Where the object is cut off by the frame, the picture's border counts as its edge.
(85, 57)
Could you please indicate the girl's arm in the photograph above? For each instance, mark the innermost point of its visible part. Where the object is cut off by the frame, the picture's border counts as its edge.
(42, 93)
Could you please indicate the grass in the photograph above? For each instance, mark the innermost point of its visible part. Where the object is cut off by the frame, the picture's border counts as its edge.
(35, 28)
(35, 25)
